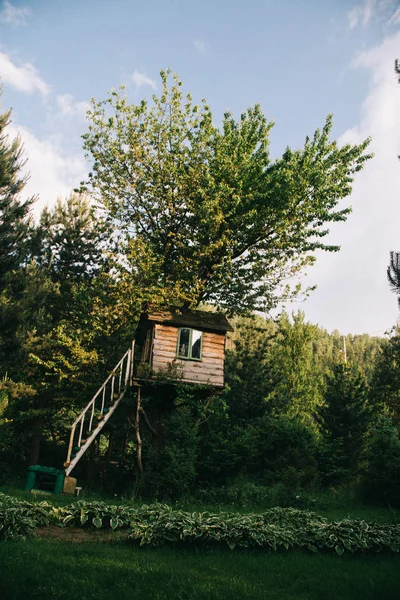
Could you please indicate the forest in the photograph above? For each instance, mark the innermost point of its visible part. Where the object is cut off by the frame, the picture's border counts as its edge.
(176, 210)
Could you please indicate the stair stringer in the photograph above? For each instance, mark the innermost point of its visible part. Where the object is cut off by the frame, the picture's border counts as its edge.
(124, 365)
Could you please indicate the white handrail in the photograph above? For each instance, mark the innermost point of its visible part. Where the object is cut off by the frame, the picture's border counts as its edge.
(91, 404)
(99, 390)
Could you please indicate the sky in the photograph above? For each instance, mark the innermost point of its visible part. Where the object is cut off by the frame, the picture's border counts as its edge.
(301, 60)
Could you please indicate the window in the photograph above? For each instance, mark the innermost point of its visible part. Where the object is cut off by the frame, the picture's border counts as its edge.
(189, 343)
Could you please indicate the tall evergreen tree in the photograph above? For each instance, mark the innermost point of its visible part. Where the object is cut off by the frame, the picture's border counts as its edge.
(13, 210)
(250, 377)
(385, 387)
(14, 234)
(72, 239)
(343, 419)
(299, 391)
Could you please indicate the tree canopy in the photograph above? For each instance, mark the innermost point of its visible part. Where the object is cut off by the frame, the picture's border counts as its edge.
(214, 217)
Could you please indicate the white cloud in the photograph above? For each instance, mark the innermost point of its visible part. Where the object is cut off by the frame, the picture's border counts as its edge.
(353, 294)
(200, 46)
(13, 14)
(140, 80)
(69, 107)
(24, 78)
(53, 172)
(361, 14)
(395, 18)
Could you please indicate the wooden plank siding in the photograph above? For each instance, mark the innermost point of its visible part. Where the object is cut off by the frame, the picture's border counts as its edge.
(210, 370)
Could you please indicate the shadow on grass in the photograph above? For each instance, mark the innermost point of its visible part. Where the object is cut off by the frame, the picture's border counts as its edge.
(56, 570)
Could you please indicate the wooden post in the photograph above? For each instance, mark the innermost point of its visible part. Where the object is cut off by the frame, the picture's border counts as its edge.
(71, 442)
(137, 429)
(132, 362)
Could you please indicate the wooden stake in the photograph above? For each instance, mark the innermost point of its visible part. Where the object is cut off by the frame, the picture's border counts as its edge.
(138, 438)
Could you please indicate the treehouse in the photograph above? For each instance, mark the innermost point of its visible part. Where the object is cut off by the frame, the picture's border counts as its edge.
(171, 345)
(186, 346)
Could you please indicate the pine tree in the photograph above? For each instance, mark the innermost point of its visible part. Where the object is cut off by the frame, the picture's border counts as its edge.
(72, 239)
(343, 419)
(299, 391)
(385, 385)
(15, 231)
(14, 224)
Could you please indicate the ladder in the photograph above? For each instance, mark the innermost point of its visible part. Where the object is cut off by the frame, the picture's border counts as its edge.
(99, 410)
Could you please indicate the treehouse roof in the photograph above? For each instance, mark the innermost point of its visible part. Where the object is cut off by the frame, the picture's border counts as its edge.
(197, 319)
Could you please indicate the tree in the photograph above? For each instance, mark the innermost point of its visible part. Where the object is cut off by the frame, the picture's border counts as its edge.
(386, 378)
(299, 391)
(381, 476)
(213, 217)
(57, 340)
(14, 212)
(73, 239)
(343, 419)
(14, 234)
(250, 376)
(393, 273)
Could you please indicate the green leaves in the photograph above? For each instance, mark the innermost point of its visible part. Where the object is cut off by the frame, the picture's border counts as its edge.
(275, 529)
(19, 518)
(221, 222)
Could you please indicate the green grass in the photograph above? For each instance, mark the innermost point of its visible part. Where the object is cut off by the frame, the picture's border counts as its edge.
(52, 570)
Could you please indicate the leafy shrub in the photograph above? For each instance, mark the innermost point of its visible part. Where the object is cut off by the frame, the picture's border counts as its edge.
(98, 514)
(15, 523)
(274, 529)
(170, 470)
(20, 518)
(287, 450)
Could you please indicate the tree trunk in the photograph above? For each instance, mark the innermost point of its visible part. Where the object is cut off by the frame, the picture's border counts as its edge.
(34, 453)
(107, 457)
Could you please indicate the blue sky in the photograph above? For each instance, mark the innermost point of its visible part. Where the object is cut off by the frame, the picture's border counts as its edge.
(300, 60)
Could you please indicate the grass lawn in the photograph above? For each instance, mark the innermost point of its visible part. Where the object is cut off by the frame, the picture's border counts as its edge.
(94, 571)
(51, 569)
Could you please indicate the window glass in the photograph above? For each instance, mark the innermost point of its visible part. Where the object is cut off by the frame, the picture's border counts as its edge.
(196, 344)
(184, 343)
(189, 343)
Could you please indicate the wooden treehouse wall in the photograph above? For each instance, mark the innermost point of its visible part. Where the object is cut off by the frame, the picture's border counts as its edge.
(209, 370)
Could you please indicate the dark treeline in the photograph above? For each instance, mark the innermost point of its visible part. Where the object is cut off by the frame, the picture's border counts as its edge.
(294, 412)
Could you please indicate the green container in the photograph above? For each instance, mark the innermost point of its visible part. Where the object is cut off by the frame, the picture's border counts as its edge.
(30, 480)
(33, 478)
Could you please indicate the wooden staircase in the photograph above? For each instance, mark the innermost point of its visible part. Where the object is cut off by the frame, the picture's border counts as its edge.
(99, 410)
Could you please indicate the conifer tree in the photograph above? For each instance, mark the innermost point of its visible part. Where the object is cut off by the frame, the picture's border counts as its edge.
(72, 239)
(343, 419)
(14, 211)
